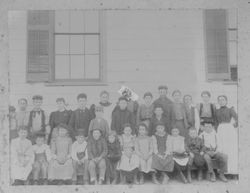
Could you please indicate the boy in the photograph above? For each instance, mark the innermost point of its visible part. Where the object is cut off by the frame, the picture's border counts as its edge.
(80, 157)
(97, 151)
(209, 138)
(23, 114)
(122, 116)
(42, 157)
(81, 117)
(22, 157)
(38, 119)
(195, 146)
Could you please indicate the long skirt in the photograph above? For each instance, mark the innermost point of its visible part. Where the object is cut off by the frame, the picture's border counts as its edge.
(227, 140)
(161, 164)
(111, 168)
(145, 165)
(59, 171)
(19, 172)
(128, 163)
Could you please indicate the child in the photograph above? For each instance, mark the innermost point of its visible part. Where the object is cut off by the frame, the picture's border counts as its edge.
(42, 157)
(146, 110)
(176, 147)
(206, 109)
(193, 118)
(99, 122)
(162, 161)
(144, 150)
(22, 114)
(158, 117)
(62, 115)
(195, 147)
(129, 163)
(22, 157)
(227, 133)
(81, 117)
(113, 157)
(13, 123)
(210, 139)
(97, 151)
(179, 119)
(80, 157)
(60, 167)
(38, 120)
(122, 116)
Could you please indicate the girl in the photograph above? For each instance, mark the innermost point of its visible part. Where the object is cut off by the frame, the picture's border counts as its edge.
(162, 161)
(129, 163)
(206, 109)
(179, 119)
(61, 167)
(146, 110)
(227, 133)
(176, 147)
(144, 149)
(113, 157)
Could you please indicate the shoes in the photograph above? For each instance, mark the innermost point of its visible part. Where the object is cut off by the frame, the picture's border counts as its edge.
(222, 177)
(154, 179)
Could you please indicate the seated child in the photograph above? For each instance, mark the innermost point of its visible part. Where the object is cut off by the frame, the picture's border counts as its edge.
(129, 163)
(144, 149)
(99, 122)
(42, 157)
(80, 157)
(176, 147)
(162, 161)
(195, 147)
(97, 152)
(209, 138)
(60, 166)
(113, 157)
(22, 157)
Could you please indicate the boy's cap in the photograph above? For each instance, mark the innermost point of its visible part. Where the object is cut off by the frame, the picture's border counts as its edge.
(162, 87)
(37, 97)
(98, 108)
(80, 132)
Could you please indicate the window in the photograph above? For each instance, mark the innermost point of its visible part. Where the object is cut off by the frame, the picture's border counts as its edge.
(66, 47)
(221, 45)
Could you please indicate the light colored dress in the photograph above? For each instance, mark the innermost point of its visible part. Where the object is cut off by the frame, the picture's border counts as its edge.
(129, 159)
(61, 166)
(22, 158)
(144, 147)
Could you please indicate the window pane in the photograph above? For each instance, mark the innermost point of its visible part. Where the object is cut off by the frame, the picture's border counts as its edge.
(233, 53)
(91, 21)
(76, 44)
(62, 67)
(77, 66)
(61, 21)
(62, 44)
(92, 66)
(91, 44)
(76, 21)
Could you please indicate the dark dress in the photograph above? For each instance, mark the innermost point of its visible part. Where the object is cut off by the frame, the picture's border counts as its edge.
(154, 122)
(166, 104)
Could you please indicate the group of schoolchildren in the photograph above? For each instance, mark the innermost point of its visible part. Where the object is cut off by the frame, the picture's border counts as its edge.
(123, 142)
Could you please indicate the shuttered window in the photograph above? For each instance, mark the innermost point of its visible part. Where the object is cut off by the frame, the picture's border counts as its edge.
(216, 45)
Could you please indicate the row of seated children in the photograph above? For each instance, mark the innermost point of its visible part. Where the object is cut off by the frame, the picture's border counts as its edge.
(109, 159)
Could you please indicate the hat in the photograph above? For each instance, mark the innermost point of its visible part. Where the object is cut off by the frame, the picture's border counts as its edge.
(79, 132)
(148, 94)
(162, 87)
(37, 97)
(99, 108)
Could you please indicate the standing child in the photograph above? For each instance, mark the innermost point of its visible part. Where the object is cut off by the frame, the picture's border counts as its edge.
(42, 157)
(60, 167)
(145, 111)
(122, 116)
(22, 157)
(176, 147)
(227, 133)
(210, 140)
(162, 161)
(62, 115)
(80, 157)
(81, 117)
(113, 157)
(22, 115)
(99, 122)
(97, 152)
(38, 120)
(195, 147)
(129, 163)
(144, 150)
